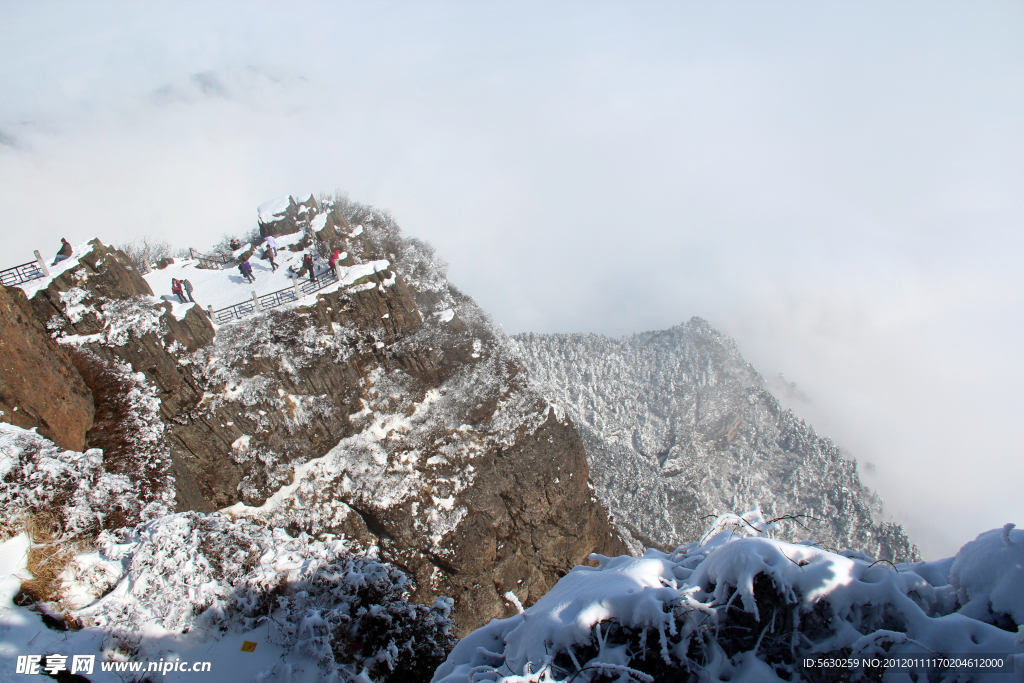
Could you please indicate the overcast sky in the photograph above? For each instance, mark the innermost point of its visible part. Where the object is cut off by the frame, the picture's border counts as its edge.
(839, 186)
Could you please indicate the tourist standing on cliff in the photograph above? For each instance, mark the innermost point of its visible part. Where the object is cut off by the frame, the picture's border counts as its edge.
(176, 289)
(64, 253)
(268, 253)
(246, 270)
(335, 257)
(307, 262)
(188, 289)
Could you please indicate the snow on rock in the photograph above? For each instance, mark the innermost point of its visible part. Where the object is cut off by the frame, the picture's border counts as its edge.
(72, 300)
(88, 491)
(988, 575)
(122, 320)
(388, 462)
(352, 274)
(274, 209)
(318, 222)
(740, 605)
(321, 600)
(32, 286)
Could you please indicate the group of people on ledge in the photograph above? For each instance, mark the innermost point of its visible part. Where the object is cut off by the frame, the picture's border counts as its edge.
(183, 288)
(269, 254)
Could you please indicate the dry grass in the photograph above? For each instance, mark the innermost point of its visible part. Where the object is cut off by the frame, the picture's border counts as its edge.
(48, 556)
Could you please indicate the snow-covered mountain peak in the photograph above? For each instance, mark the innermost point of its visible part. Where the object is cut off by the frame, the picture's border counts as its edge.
(678, 426)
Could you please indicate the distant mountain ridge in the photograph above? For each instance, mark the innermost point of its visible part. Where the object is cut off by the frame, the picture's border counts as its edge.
(678, 426)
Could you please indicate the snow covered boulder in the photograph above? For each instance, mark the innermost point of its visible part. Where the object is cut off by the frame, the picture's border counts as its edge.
(284, 216)
(988, 575)
(740, 605)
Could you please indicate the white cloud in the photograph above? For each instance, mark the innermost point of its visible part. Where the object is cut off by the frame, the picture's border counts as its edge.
(835, 186)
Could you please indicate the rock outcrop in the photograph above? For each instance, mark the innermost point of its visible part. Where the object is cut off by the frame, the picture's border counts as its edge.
(286, 216)
(386, 408)
(39, 386)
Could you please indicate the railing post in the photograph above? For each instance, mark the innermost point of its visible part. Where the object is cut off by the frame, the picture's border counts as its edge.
(295, 286)
(255, 301)
(42, 264)
(209, 309)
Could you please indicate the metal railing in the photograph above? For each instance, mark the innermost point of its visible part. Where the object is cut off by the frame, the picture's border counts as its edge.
(213, 262)
(23, 273)
(328, 277)
(278, 298)
(244, 309)
(236, 312)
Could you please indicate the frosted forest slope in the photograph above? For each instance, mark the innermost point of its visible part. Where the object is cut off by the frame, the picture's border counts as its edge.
(678, 427)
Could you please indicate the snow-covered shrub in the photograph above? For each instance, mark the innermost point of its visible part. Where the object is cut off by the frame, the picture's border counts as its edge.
(739, 605)
(988, 575)
(79, 489)
(127, 318)
(122, 320)
(414, 259)
(63, 498)
(346, 609)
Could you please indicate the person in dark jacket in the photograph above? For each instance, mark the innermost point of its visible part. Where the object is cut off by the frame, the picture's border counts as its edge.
(176, 289)
(246, 270)
(307, 263)
(188, 289)
(268, 253)
(64, 253)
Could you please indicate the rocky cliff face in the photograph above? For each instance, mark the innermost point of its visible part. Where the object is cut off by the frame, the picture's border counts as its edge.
(286, 216)
(678, 427)
(385, 408)
(39, 385)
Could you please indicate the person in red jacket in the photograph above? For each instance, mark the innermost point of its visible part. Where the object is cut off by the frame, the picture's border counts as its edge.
(176, 288)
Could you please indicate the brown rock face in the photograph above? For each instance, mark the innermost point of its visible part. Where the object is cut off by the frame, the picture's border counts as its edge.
(435, 447)
(292, 219)
(531, 518)
(39, 386)
(102, 275)
(529, 515)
